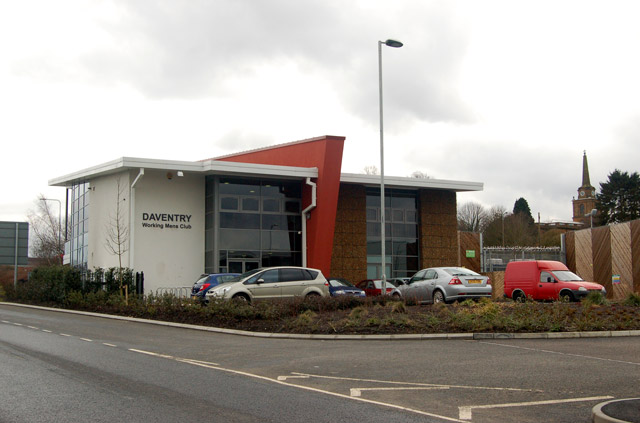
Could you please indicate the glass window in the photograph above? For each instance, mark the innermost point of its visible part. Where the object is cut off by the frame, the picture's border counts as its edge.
(239, 220)
(288, 275)
(239, 186)
(240, 239)
(229, 203)
(292, 206)
(270, 276)
(270, 205)
(250, 204)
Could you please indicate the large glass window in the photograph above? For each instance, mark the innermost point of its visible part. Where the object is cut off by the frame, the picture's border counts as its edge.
(401, 233)
(78, 243)
(260, 218)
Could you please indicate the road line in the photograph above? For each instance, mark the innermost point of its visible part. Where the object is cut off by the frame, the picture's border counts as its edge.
(292, 377)
(47, 331)
(18, 324)
(437, 385)
(87, 339)
(64, 334)
(268, 379)
(33, 327)
(561, 353)
(465, 411)
(152, 353)
(108, 344)
(356, 392)
(4, 321)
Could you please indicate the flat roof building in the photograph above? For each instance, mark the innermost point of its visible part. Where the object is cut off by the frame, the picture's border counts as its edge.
(288, 204)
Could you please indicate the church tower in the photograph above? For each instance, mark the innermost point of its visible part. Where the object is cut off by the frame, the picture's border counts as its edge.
(586, 200)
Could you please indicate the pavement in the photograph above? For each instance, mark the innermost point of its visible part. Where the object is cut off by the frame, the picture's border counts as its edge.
(617, 411)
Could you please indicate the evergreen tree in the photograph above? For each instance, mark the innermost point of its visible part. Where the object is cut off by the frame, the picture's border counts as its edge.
(522, 207)
(619, 198)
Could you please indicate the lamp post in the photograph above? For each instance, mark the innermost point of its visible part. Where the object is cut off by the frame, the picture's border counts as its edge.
(59, 218)
(394, 44)
(592, 213)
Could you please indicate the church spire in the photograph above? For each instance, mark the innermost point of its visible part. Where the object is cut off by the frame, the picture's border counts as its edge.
(585, 171)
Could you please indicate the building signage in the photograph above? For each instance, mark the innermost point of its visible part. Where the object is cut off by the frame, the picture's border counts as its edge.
(166, 220)
(615, 279)
(471, 253)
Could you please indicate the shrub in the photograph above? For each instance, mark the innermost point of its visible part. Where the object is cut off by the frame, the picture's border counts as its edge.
(633, 299)
(595, 298)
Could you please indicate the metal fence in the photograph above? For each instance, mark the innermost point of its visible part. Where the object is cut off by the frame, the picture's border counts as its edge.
(495, 259)
(177, 291)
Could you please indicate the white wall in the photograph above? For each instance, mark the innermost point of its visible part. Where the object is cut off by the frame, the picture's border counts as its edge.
(169, 256)
(103, 199)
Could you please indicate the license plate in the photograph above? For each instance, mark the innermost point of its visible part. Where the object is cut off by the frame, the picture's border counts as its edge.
(474, 281)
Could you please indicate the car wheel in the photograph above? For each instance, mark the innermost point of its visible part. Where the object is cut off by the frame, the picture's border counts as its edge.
(241, 298)
(438, 297)
(566, 297)
(396, 296)
(519, 297)
(312, 295)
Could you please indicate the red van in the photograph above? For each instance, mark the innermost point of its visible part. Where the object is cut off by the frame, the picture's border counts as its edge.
(545, 280)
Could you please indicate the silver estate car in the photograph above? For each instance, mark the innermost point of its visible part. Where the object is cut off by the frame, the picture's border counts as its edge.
(445, 284)
(273, 282)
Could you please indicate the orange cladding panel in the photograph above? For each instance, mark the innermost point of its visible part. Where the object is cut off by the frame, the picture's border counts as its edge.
(324, 153)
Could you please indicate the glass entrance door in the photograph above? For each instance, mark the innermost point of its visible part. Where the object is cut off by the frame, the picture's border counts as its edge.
(241, 266)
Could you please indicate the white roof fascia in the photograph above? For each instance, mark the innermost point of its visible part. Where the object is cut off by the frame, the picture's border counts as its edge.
(205, 167)
(404, 182)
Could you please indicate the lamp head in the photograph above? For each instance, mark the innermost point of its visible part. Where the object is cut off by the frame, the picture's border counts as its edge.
(393, 43)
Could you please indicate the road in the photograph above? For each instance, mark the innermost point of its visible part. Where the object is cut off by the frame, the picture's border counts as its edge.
(56, 366)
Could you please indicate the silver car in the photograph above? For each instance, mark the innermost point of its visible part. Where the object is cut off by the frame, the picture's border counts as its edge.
(445, 284)
(273, 282)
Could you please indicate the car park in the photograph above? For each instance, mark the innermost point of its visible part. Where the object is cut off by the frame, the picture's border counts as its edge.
(273, 282)
(445, 284)
(546, 280)
(207, 281)
(341, 287)
(373, 287)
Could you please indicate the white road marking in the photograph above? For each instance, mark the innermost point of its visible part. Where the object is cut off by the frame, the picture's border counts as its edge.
(108, 345)
(435, 385)
(292, 377)
(561, 353)
(152, 353)
(4, 321)
(18, 324)
(356, 392)
(64, 334)
(33, 327)
(87, 339)
(465, 411)
(47, 331)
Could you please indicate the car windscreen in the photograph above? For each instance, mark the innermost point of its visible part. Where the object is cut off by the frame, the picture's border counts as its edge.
(566, 276)
(244, 275)
(339, 282)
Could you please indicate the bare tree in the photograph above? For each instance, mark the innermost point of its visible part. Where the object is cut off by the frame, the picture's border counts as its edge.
(472, 217)
(371, 170)
(117, 230)
(420, 175)
(45, 226)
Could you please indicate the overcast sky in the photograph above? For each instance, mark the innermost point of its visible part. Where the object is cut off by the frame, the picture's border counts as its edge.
(508, 93)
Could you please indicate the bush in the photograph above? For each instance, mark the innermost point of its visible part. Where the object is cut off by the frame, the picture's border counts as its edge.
(595, 298)
(633, 299)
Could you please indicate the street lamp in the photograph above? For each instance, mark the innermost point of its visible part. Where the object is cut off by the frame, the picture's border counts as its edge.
(592, 213)
(59, 216)
(394, 44)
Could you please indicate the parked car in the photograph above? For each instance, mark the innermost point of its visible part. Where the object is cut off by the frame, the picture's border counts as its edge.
(207, 281)
(341, 286)
(445, 284)
(373, 287)
(545, 280)
(399, 281)
(273, 282)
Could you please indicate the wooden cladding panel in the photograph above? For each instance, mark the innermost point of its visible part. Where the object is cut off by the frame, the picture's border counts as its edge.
(584, 255)
(601, 247)
(635, 254)
(438, 228)
(621, 263)
(570, 248)
(349, 254)
(470, 241)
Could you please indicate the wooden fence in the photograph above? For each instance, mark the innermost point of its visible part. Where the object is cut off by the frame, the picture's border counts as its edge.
(609, 255)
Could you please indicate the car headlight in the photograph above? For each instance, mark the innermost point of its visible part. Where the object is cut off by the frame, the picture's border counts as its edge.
(338, 292)
(218, 292)
(604, 291)
(582, 288)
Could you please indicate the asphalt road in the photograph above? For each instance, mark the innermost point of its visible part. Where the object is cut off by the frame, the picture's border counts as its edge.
(66, 367)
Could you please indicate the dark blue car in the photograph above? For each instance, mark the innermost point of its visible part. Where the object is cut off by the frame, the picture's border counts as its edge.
(341, 286)
(208, 281)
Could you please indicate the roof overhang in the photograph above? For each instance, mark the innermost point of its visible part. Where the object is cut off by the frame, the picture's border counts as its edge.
(206, 167)
(412, 183)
